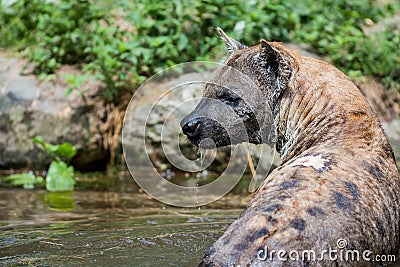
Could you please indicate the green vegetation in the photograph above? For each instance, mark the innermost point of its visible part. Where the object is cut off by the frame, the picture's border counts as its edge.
(65, 150)
(60, 176)
(27, 180)
(122, 42)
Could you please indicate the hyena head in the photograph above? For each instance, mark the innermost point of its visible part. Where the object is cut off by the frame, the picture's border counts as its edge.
(241, 101)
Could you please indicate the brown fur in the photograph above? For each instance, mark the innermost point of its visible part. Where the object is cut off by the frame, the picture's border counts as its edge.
(353, 195)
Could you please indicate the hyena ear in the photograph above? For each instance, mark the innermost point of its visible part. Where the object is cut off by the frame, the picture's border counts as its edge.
(231, 44)
(269, 56)
(275, 66)
(272, 61)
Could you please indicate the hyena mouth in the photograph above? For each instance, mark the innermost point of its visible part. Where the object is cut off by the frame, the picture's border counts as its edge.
(205, 133)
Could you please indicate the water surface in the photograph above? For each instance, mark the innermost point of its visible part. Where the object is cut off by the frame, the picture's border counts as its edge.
(118, 227)
(124, 227)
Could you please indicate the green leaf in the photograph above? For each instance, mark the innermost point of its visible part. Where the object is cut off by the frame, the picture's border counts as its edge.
(60, 177)
(182, 42)
(26, 180)
(66, 150)
(46, 146)
(68, 92)
(38, 140)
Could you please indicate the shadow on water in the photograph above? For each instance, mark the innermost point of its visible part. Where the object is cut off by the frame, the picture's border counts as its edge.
(123, 227)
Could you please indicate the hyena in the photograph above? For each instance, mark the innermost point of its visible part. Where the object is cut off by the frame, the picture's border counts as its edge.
(338, 178)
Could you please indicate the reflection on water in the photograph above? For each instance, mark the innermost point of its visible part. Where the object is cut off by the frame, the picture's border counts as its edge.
(95, 228)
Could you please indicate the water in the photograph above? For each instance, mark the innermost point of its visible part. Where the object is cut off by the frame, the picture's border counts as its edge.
(124, 227)
(118, 227)
(206, 157)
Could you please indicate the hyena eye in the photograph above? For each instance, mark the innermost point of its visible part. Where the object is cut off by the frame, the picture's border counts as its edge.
(228, 97)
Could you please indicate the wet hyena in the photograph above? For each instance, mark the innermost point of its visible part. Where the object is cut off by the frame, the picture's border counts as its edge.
(338, 178)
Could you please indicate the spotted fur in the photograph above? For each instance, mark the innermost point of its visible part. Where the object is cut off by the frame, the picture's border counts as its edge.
(338, 178)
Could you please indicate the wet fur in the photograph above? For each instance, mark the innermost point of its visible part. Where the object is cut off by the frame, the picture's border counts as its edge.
(320, 113)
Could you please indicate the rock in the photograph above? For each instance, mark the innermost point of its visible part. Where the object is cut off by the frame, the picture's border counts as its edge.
(29, 107)
(392, 130)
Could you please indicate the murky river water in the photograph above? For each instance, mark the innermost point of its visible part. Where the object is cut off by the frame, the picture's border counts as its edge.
(97, 228)
(118, 227)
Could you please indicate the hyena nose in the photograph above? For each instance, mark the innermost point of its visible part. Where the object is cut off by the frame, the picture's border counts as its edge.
(191, 127)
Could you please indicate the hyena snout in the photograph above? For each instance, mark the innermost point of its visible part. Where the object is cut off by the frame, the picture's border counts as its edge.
(204, 132)
(217, 123)
(191, 128)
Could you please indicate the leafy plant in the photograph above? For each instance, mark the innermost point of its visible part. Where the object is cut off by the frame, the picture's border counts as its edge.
(26, 180)
(60, 176)
(64, 150)
(122, 42)
(76, 82)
